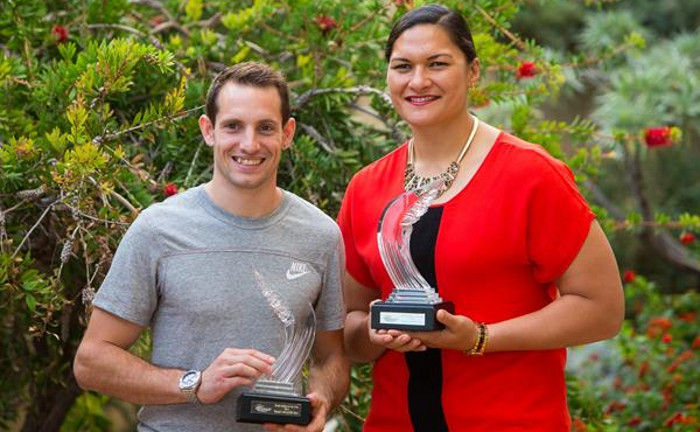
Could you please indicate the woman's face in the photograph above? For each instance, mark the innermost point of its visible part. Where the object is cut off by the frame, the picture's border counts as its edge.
(429, 77)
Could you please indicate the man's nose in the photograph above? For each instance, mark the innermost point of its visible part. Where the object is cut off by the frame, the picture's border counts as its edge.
(249, 141)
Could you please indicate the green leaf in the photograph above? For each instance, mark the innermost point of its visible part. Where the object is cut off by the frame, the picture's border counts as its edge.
(31, 302)
(193, 10)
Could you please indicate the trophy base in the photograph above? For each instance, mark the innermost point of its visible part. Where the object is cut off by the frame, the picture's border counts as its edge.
(255, 407)
(408, 316)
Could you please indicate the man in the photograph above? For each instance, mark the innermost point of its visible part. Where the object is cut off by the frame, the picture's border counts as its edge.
(186, 268)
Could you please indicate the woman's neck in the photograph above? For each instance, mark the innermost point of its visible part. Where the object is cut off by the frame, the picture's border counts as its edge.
(436, 146)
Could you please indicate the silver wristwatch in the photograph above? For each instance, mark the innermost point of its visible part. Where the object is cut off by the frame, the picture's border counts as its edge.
(189, 383)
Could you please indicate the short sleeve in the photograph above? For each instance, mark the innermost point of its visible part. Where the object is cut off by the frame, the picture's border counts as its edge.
(355, 265)
(129, 290)
(330, 309)
(559, 221)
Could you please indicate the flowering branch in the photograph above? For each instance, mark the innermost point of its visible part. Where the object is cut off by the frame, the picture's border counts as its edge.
(516, 40)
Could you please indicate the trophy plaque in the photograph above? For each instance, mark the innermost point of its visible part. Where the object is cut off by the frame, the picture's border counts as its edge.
(413, 303)
(274, 398)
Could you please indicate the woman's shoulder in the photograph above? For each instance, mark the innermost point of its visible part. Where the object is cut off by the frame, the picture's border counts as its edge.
(528, 156)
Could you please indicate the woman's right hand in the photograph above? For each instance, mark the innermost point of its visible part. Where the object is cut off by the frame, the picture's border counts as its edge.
(393, 339)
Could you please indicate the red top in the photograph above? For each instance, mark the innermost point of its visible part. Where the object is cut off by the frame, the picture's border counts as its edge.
(502, 242)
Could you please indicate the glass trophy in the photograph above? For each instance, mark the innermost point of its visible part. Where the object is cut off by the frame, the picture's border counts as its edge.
(274, 398)
(413, 303)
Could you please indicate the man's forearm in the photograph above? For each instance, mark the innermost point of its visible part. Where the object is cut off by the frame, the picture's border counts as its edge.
(357, 344)
(109, 369)
(331, 378)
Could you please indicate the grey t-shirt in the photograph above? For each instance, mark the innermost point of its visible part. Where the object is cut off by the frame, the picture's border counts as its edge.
(186, 268)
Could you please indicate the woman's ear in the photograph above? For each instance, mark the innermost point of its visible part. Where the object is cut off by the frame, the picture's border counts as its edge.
(474, 72)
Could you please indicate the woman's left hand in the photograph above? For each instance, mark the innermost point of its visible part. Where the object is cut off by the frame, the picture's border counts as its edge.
(459, 333)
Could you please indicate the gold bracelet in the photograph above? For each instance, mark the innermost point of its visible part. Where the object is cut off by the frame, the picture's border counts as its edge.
(479, 341)
(481, 349)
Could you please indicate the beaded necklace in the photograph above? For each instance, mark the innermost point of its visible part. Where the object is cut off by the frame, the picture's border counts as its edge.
(415, 183)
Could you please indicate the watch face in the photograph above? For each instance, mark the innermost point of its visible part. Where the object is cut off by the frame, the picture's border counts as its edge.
(189, 379)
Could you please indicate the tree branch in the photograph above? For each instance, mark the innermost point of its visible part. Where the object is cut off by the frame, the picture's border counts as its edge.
(36, 224)
(128, 29)
(179, 116)
(154, 4)
(395, 132)
(516, 40)
(359, 90)
(663, 243)
(313, 133)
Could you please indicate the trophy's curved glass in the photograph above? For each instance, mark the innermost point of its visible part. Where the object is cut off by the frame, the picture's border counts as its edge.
(276, 398)
(413, 303)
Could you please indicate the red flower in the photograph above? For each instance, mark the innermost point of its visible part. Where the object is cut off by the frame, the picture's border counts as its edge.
(657, 326)
(629, 276)
(679, 418)
(634, 421)
(21, 151)
(578, 425)
(615, 406)
(527, 70)
(667, 338)
(658, 137)
(661, 322)
(643, 368)
(326, 23)
(170, 189)
(687, 238)
(696, 343)
(688, 316)
(60, 33)
(157, 20)
(686, 355)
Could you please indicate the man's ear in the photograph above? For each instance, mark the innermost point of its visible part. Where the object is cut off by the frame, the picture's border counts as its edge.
(207, 128)
(288, 132)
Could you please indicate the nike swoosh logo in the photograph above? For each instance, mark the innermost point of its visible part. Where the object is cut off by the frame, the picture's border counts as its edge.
(292, 276)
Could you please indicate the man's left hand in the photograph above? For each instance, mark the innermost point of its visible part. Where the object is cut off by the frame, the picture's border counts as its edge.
(319, 411)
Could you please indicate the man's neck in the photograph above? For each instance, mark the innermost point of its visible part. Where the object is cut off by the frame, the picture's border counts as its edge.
(247, 203)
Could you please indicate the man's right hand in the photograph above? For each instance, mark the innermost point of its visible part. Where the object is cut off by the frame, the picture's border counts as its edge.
(232, 368)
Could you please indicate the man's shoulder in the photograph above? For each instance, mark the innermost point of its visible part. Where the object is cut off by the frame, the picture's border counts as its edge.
(171, 217)
(309, 215)
(173, 207)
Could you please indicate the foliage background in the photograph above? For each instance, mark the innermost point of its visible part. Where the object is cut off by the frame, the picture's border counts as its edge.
(98, 119)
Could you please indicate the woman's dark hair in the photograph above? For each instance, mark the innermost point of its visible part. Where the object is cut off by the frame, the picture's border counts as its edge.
(453, 23)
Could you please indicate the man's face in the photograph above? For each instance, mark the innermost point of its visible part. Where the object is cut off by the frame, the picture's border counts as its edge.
(248, 137)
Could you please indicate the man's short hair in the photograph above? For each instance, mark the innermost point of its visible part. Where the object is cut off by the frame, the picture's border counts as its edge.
(251, 74)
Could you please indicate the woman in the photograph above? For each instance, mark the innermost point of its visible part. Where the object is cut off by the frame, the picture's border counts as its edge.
(511, 242)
